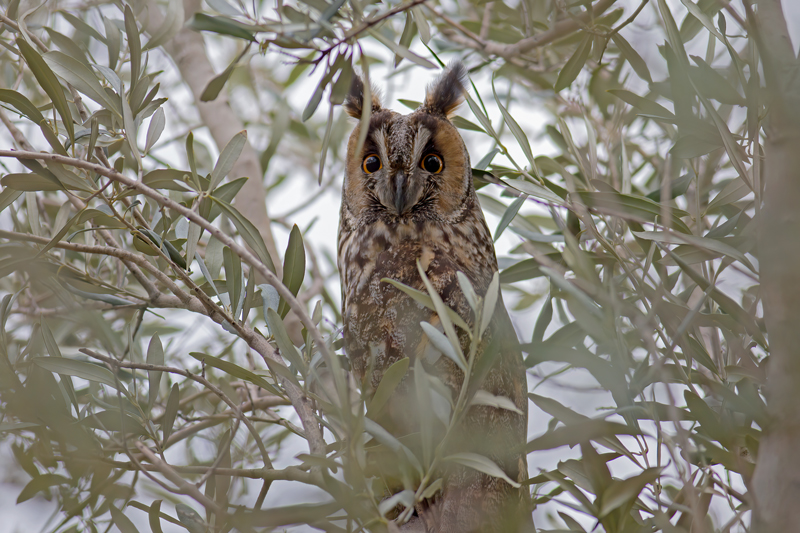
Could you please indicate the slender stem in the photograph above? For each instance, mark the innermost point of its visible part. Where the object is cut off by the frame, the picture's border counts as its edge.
(299, 400)
(199, 379)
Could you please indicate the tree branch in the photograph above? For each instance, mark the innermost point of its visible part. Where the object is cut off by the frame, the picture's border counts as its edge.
(560, 29)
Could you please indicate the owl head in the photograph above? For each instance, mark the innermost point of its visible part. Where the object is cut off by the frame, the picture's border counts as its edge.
(411, 167)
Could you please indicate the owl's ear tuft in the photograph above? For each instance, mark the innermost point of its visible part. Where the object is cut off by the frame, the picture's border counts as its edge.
(446, 92)
(354, 101)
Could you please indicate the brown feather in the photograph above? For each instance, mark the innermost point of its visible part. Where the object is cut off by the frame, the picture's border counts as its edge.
(390, 219)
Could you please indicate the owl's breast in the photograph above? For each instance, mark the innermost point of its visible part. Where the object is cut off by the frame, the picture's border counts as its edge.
(381, 322)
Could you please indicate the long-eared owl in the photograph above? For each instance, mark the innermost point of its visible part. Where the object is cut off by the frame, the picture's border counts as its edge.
(408, 199)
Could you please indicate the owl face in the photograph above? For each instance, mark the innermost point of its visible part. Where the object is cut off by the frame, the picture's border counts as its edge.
(412, 167)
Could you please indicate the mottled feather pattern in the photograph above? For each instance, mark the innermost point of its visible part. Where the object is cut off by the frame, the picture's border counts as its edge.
(400, 209)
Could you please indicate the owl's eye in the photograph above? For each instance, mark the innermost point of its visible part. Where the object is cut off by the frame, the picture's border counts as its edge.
(372, 163)
(432, 163)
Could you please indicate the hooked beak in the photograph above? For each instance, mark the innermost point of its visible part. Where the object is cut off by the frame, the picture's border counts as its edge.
(401, 200)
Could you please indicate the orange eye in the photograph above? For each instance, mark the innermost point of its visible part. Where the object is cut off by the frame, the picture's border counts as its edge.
(432, 163)
(372, 163)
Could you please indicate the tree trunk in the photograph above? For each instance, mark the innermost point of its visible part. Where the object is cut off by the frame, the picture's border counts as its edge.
(188, 50)
(776, 482)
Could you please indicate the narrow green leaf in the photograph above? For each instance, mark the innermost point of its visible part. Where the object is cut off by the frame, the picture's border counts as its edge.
(39, 484)
(625, 491)
(79, 369)
(468, 290)
(81, 26)
(247, 230)
(524, 270)
(557, 410)
(405, 498)
(441, 343)
(388, 440)
(400, 50)
(703, 18)
(316, 97)
(154, 515)
(636, 62)
(727, 304)
(519, 135)
(691, 146)
(735, 152)
(190, 519)
(48, 81)
(21, 104)
(411, 104)
(79, 76)
(326, 139)
(712, 84)
(426, 415)
(155, 356)
(269, 297)
(712, 245)
(15, 426)
(481, 464)
(389, 382)
(287, 348)
(573, 434)
(121, 521)
(537, 191)
(483, 397)
(294, 267)
(30, 182)
(629, 206)
(58, 236)
(234, 370)
(422, 24)
(227, 159)
(574, 65)
(481, 116)
(464, 124)
(154, 130)
(342, 83)
(170, 25)
(673, 34)
(732, 192)
(509, 215)
(221, 25)
(405, 39)
(217, 83)
(234, 279)
(192, 237)
(426, 300)
(113, 42)
(167, 178)
(134, 45)
(490, 302)
(314, 101)
(648, 106)
(170, 411)
(131, 130)
(442, 310)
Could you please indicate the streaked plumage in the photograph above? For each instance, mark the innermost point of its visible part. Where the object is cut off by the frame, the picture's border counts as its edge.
(416, 201)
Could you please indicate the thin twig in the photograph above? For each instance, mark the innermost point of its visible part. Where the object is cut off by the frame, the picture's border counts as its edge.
(629, 19)
(199, 379)
(290, 473)
(560, 29)
(257, 342)
(182, 486)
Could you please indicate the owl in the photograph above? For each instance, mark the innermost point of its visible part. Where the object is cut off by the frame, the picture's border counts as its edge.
(408, 199)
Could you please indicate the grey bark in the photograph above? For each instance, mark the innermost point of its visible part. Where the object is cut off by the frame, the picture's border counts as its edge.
(188, 50)
(776, 481)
